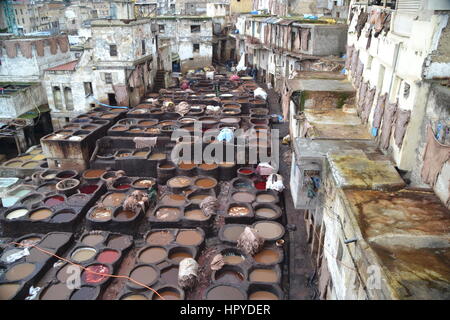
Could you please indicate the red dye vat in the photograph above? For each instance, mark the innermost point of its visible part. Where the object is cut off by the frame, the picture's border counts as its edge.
(108, 256)
(53, 201)
(260, 185)
(95, 273)
(123, 186)
(89, 189)
(245, 171)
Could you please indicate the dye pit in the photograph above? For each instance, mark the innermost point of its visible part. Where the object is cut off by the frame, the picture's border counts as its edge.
(94, 225)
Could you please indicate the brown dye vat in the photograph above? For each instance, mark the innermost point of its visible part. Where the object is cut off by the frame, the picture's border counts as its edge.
(267, 256)
(168, 214)
(205, 183)
(187, 166)
(197, 199)
(144, 183)
(225, 293)
(83, 254)
(147, 123)
(93, 174)
(119, 128)
(136, 130)
(243, 197)
(56, 292)
(195, 214)
(30, 165)
(123, 154)
(232, 233)
(101, 214)
(30, 241)
(232, 258)
(266, 213)
(153, 255)
(189, 237)
(177, 256)
(107, 116)
(229, 276)
(41, 214)
(140, 153)
(125, 215)
(265, 198)
(179, 182)
(268, 230)
(135, 297)
(8, 291)
(208, 166)
(144, 274)
(119, 243)
(20, 271)
(160, 156)
(263, 275)
(167, 294)
(238, 211)
(173, 200)
(114, 199)
(170, 275)
(14, 164)
(92, 239)
(262, 295)
(160, 238)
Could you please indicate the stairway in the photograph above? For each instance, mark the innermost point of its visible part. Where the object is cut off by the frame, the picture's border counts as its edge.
(159, 81)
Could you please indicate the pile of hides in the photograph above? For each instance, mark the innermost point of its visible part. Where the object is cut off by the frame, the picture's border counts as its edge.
(249, 241)
(226, 134)
(145, 142)
(260, 93)
(187, 273)
(217, 262)
(182, 108)
(209, 206)
(135, 201)
(275, 182)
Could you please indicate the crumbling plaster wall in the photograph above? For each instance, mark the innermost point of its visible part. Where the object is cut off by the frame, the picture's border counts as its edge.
(17, 103)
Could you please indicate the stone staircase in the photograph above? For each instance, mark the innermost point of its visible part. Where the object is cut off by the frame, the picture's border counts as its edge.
(159, 81)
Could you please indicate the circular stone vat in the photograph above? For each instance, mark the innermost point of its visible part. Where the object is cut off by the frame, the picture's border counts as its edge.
(239, 210)
(243, 196)
(189, 237)
(168, 293)
(160, 238)
(124, 215)
(267, 256)
(41, 214)
(8, 291)
(83, 254)
(266, 197)
(179, 253)
(66, 174)
(224, 292)
(133, 296)
(231, 232)
(58, 291)
(144, 183)
(30, 165)
(29, 240)
(232, 256)
(179, 183)
(89, 189)
(267, 211)
(86, 293)
(114, 199)
(261, 291)
(144, 274)
(38, 256)
(92, 174)
(198, 196)
(242, 184)
(119, 242)
(172, 199)
(64, 273)
(54, 201)
(166, 213)
(92, 239)
(95, 274)
(193, 212)
(101, 214)
(20, 271)
(263, 275)
(269, 230)
(16, 214)
(229, 274)
(65, 215)
(157, 156)
(108, 256)
(205, 183)
(152, 254)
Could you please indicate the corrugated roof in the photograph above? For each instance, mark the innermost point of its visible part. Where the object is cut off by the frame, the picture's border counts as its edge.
(285, 22)
(69, 66)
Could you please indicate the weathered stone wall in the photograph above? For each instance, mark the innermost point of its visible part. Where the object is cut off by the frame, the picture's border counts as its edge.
(17, 103)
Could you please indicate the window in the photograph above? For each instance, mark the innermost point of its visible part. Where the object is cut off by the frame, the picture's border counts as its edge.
(143, 46)
(195, 28)
(162, 28)
(196, 47)
(113, 50)
(87, 88)
(73, 21)
(108, 77)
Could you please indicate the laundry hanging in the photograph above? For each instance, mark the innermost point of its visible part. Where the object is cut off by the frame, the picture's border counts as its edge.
(401, 124)
(386, 129)
(434, 157)
(379, 110)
